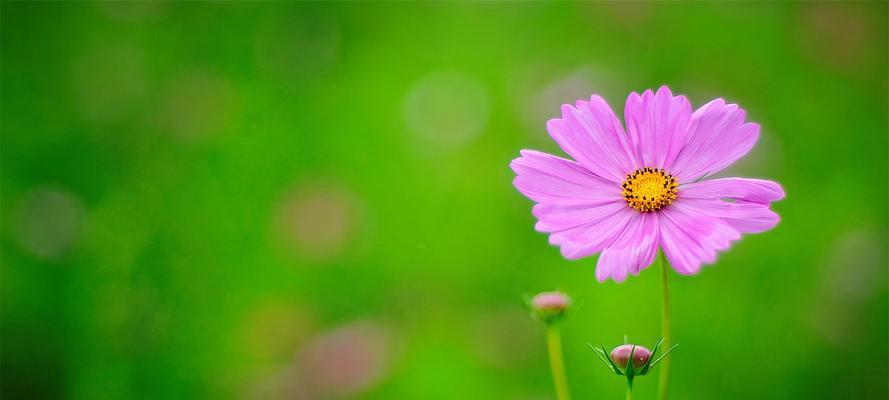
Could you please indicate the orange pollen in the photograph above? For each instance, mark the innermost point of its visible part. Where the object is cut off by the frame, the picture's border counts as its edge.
(649, 189)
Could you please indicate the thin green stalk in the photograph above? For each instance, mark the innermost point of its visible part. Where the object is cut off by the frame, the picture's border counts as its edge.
(630, 388)
(557, 363)
(664, 378)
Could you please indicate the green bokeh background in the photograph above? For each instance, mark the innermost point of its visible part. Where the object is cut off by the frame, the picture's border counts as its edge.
(195, 195)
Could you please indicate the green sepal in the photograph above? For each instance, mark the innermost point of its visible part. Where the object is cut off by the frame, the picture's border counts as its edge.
(610, 361)
(526, 298)
(599, 356)
(664, 355)
(648, 365)
(630, 371)
(603, 356)
(596, 352)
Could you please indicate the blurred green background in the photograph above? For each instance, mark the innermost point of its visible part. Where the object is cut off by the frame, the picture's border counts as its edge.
(308, 201)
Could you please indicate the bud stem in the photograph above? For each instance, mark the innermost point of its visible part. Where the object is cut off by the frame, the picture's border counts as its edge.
(664, 378)
(629, 392)
(556, 362)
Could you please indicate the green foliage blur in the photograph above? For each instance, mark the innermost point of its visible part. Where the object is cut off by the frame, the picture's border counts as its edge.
(274, 200)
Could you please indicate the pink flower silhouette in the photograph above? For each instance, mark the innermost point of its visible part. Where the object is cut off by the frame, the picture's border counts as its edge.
(629, 192)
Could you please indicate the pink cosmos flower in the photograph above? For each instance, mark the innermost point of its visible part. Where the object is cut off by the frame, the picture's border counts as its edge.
(627, 193)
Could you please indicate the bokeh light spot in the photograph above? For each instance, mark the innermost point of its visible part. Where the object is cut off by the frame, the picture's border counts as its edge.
(347, 360)
(198, 105)
(318, 220)
(297, 46)
(48, 222)
(447, 109)
(274, 329)
(110, 82)
(837, 35)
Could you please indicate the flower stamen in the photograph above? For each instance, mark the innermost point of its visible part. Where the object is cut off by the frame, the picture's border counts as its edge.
(649, 189)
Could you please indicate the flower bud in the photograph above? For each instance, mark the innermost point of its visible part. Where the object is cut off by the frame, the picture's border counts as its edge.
(549, 306)
(619, 359)
(621, 355)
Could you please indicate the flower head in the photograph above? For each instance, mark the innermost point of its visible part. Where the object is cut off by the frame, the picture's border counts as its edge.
(549, 306)
(621, 355)
(619, 359)
(628, 193)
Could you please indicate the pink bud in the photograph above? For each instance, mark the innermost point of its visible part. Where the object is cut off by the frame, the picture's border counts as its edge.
(550, 302)
(621, 355)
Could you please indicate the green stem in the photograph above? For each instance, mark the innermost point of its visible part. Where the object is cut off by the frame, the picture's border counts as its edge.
(556, 362)
(630, 389)
(664, 378)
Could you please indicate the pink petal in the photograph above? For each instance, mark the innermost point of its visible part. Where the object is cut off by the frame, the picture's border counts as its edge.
(590, 238)
(747, 209)
(555, 218)
(690, 237)
(743, 216)
(549, 179)
(583, 212)
(633, 251)
(591, 134)
(658, 126)
(752, 190)
(719, 136)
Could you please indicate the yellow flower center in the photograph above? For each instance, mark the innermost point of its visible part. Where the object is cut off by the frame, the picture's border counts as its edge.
(649, 189)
